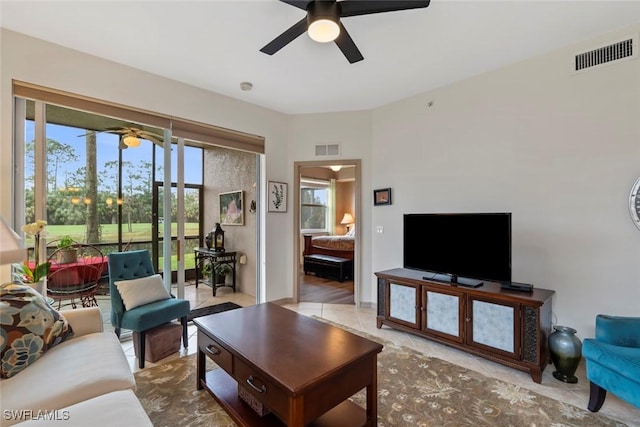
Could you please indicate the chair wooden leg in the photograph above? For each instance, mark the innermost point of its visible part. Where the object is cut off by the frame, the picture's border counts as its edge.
(596, 397)
(185, 338)
(141, 341)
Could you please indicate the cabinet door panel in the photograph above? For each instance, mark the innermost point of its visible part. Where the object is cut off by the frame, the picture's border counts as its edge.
(403, 304)
(494, 326)
(443, 314)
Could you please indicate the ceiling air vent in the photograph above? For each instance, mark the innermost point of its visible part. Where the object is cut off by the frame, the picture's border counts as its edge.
(328, 150)
(625, 49)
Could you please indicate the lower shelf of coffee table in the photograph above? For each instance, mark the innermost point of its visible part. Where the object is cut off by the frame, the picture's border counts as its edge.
(225, 390)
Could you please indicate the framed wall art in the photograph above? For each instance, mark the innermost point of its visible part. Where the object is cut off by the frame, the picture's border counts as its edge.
(382, 197)
(277, 195)
(231, 208)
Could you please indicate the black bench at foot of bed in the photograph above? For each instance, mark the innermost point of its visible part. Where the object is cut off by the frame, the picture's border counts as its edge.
(329, 266)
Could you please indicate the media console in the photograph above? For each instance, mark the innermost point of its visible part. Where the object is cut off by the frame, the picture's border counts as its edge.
(502, 325)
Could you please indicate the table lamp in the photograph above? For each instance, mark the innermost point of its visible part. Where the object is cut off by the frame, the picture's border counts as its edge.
(347, 220)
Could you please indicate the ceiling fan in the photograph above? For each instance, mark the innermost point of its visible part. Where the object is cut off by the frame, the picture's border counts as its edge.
(130, 136)
(323, 22)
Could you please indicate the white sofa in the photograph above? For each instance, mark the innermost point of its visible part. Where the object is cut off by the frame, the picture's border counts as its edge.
(83, 381)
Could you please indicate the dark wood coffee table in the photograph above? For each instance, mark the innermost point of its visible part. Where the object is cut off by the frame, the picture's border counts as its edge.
(302, 369)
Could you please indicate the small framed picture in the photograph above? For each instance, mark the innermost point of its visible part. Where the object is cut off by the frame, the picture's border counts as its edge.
(231, 208)
(382, 197)
(277, 195)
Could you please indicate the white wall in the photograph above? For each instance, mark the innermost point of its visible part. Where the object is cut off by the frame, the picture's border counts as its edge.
(352, 130)
(35, 61)
(559, 151)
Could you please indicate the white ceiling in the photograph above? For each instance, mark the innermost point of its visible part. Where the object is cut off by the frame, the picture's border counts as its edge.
(215, 44)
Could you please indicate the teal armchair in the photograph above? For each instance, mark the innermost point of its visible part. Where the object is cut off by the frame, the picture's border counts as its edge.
(613, 360)
(135, 265)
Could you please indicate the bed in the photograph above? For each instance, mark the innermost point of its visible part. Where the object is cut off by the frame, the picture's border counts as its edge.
(337, 246)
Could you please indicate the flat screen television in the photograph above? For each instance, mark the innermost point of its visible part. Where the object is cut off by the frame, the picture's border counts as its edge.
(456, 247)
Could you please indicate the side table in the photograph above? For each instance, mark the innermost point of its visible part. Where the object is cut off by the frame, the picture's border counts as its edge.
(204, 256)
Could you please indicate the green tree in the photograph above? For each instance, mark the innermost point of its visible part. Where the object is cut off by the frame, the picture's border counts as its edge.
(191, 206)
(136, 190)
(93, 226)
(57, 154)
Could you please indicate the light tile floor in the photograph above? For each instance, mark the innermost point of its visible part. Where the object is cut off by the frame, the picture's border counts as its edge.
(364, 319)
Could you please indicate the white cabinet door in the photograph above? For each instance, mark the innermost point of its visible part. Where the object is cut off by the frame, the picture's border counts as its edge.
(443, 310)
(494, 326)
(403, 304)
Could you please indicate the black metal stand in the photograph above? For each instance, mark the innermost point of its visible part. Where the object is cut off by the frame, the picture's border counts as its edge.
(213, 259)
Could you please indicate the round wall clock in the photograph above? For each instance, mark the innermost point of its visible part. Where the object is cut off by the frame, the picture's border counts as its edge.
(634, 203)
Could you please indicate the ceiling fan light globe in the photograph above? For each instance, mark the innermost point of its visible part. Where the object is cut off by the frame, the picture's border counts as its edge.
(131, 141)
(323, 30)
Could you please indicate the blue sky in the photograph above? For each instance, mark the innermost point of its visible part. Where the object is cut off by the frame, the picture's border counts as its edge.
(107, 144)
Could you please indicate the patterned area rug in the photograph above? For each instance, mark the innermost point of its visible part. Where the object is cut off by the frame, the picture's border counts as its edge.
(413, 390)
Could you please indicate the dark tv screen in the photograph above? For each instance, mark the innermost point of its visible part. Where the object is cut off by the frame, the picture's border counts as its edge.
(473, 245)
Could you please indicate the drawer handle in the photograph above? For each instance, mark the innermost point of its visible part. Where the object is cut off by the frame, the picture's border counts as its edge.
(260, 389)
(212, 350)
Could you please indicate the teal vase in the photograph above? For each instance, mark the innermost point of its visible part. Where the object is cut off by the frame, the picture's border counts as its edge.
(566, 353)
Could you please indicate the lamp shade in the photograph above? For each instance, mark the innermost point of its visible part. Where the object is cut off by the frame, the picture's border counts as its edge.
(322, 20)
(323, 30)
(347, 219)
(131, 141)
(11, 250)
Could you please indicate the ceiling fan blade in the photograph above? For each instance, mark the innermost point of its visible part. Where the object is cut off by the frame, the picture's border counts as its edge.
(366, 7)
(156, 139)
(117, 129)
(300, 4)
(151, 134)
(285, 38)
(89, 132)
(347, 46)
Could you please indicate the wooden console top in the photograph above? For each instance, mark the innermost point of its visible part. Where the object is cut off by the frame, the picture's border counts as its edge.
(493, 288)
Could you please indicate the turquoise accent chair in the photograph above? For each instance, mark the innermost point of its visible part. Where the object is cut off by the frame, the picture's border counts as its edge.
(613, 360)
(134, 265)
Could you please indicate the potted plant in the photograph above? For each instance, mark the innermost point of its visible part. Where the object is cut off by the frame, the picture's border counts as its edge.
(34, 277)
(221, 273)
(66, 252)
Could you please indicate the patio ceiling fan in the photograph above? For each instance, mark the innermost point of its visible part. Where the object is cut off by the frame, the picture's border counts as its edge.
(130, 136)
(323, 22)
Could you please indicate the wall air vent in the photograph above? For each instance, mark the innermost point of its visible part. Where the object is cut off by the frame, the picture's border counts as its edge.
(328, 150)
(624, 49)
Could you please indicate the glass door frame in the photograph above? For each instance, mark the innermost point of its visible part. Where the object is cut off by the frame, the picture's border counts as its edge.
(155, 226)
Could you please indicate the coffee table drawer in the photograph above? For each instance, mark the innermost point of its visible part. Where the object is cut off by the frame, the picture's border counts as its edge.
(215, 352)
(268, 393)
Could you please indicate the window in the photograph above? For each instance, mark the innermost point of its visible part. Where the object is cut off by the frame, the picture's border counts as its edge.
(98, 191)
(314, 204)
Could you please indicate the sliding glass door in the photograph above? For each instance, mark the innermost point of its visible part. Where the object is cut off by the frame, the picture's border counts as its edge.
(83, 176)
(192, 202)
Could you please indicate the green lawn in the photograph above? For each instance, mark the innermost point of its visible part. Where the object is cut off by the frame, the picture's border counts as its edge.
(138, 233)
(109, 232)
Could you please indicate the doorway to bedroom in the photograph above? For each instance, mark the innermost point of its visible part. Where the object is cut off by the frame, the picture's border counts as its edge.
(326, 212)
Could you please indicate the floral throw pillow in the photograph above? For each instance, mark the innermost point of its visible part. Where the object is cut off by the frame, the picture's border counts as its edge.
(30, 327)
